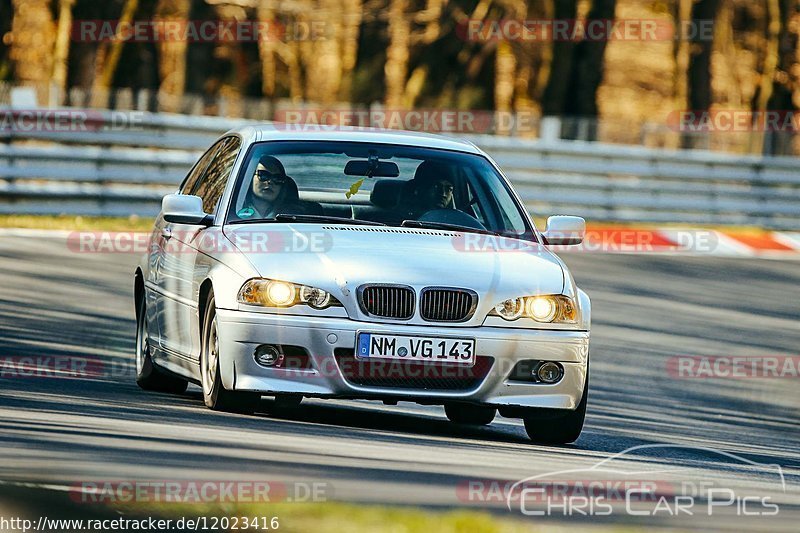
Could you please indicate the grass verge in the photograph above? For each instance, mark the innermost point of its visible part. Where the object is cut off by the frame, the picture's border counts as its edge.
(76, 223)
(334, 517)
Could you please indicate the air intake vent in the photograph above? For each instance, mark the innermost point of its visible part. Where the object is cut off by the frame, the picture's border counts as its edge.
(387, 301)
(440, 304)
(417, 375)
(373, 229)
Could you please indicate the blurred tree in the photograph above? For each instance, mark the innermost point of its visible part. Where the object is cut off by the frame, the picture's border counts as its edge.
(33, 34)
(555, 93)
(172, 55)
(61, 52)
(6, 17)
(681, 13)
(397, 53)
(109, 53)
(200, 72)
(138, 65)
(785, 82)
(587, 74)
(699, 73)
(576, 73)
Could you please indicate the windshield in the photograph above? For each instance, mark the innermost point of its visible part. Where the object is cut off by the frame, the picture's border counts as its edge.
(334, 182)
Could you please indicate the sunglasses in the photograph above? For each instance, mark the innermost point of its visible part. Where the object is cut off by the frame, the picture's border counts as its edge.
(265, 176)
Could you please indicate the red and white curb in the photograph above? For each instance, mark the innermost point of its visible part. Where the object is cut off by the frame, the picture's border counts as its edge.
(692, 241)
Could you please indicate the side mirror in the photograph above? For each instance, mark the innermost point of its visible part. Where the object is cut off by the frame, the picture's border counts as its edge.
(564, 230)
(185, 209)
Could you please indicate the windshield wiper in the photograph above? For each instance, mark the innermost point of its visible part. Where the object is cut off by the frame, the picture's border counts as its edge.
(444, 226)
(282, 217)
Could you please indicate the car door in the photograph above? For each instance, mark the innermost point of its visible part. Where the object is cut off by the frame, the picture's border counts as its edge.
(180, 271)
(165, 289)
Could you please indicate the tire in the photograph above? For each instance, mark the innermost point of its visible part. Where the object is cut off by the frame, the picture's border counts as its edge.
(558, 429)
(288, 401)
(215, 395)
(282, 403)
(148, 376)
(475, 415)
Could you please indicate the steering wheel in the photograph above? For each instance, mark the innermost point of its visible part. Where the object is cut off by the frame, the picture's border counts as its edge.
(451, 216)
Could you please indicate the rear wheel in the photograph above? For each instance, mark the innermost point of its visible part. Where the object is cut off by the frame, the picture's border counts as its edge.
(558, 428)
(476, 415)
(215, 395)
(148, 376)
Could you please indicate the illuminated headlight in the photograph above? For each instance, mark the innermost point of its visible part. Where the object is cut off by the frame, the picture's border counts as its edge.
(541, 308)
(274, 293)
(550, 308)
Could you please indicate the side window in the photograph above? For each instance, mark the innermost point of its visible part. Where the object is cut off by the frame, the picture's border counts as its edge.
(212, 184)
(190, 182)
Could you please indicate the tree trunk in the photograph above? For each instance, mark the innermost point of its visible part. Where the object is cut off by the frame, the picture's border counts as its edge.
(173, 56)
(351, 25)
(699, 73)
(266, 48)
(558, 82)
(397, 53)
(322, 57)
(61, 52)
(504, 68)
(785, 92)
(33, 34)
(587, 75)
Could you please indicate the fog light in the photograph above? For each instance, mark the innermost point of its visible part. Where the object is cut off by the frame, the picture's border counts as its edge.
(549, 372)
(268, 355)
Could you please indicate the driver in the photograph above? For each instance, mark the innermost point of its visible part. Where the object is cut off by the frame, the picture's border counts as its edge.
(431, 188)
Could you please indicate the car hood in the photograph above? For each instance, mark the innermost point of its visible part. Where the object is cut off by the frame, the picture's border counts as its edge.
(341, 258)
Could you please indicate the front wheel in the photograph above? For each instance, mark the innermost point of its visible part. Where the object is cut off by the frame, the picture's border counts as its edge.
(558, 429)
(215, 395)
(148, 376)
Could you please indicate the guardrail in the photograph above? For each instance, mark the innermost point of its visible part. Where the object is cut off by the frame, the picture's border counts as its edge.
(121, 171)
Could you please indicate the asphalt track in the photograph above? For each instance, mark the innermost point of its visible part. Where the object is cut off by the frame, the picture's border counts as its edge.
(647, 309)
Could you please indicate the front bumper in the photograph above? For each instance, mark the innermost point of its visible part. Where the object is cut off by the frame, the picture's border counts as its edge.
(241, 332)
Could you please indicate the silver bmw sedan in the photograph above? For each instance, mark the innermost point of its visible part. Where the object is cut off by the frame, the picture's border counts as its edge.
(364, 264)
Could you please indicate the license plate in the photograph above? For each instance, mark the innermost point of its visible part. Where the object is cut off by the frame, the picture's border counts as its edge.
(415, 348)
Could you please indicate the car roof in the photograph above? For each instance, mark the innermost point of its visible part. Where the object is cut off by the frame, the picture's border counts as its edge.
(290, 132)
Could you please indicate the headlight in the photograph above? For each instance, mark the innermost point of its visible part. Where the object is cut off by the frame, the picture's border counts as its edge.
(541, 308)
(551, 308)
(316, 298)
(274, 293)
(511, 309)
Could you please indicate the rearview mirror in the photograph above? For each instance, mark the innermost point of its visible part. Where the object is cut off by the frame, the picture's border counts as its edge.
(372, 168)
(564, 230)
(185, 209)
